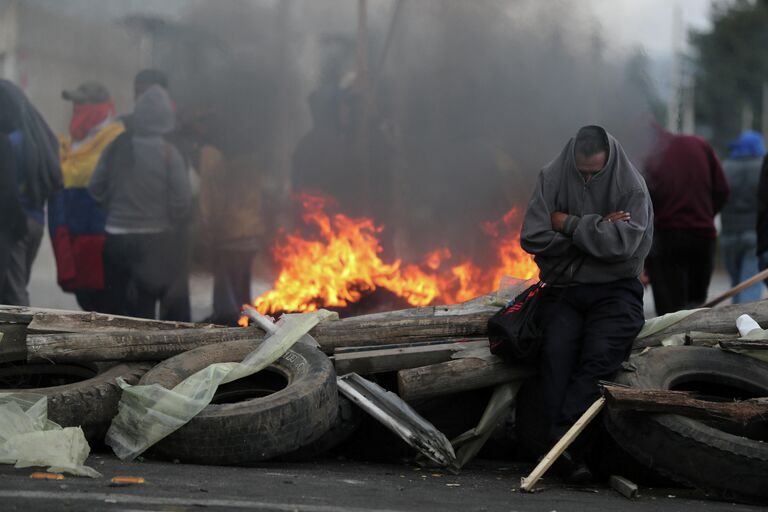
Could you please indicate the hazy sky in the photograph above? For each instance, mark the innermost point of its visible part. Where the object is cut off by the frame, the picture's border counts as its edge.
(648, 22)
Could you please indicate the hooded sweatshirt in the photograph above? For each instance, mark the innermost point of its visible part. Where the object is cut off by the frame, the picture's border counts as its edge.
(141, 180)
(589, 250)
(742, 169)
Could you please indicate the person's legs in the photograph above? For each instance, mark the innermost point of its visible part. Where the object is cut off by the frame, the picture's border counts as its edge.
(6, 244)
(614, 316)
(563, 323)
(231, 284)
(701, 259)
(730, 248)
(19, 265)
(118, 252)
(749, 267)
(668, 272)
(175, 304)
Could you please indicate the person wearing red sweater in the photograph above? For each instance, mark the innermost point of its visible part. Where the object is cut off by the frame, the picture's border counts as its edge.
(688, 188)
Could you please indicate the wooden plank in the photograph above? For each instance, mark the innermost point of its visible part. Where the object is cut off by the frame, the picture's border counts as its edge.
(456, 375)
(744, 344)
(393, 359)
(527, 483)
(59, 320)
(721, 320)
(13, 342)
(155, 345)
(684, 403)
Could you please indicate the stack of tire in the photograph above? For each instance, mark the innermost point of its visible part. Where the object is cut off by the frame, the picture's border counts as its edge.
(291, 409)
(726, 460)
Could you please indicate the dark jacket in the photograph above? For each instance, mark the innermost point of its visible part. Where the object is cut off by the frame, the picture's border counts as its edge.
(13, 221)
(607, 251)
(687, 184)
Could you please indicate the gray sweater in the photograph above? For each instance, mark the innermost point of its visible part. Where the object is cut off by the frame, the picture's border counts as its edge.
(607, 251)
(144, 186)
(739, 214)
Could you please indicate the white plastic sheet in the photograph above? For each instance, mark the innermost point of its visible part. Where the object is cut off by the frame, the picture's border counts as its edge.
(147, 414)
(28, 438)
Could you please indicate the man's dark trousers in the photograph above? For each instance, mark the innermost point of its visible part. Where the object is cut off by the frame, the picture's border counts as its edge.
(588, 333)
(680, 267)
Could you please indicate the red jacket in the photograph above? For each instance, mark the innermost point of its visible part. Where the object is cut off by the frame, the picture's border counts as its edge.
(687, 184)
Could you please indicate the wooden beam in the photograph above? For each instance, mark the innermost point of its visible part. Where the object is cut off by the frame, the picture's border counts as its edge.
(13, 342)
(721, 321)
(456, 375)
(684, 403)
(126, 346)
(59, 320)
(403, 357)
(744, 344)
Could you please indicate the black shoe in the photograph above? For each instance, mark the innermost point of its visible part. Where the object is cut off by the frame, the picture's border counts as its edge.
(579, 475)
(573, 471)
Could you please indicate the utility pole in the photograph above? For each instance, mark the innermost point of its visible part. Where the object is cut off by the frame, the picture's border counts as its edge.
(363, 86)
(673, 105)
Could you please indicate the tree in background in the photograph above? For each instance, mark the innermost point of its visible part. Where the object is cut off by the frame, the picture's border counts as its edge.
(731, 67)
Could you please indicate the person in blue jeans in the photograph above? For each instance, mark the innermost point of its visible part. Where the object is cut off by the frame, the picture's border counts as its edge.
(738, 239)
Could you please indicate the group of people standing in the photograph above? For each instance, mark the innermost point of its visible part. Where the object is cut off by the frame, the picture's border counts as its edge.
(689, 187)
(120, 193)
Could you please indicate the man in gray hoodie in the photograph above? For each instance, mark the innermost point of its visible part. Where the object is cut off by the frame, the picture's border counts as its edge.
(142, 183)
(589, 225)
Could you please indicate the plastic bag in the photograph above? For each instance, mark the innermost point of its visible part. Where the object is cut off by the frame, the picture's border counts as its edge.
(28, 438)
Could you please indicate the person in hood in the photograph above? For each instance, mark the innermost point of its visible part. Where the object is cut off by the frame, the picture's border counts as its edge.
(589, 226)
(688, 189)
(142, 183)
(738, 239)
(75, 221)
(31, 176)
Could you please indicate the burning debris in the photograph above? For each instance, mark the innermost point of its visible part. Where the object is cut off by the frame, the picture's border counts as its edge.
(342, 261)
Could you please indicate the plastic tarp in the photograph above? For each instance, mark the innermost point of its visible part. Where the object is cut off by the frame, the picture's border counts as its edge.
(148, 413)
(28, 438)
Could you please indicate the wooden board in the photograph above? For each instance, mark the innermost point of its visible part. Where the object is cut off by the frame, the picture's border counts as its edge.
(393, 359)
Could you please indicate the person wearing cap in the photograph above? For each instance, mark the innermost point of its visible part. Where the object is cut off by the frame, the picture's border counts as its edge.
(75, 221)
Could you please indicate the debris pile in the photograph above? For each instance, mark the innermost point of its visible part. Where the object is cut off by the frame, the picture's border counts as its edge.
(691, 403)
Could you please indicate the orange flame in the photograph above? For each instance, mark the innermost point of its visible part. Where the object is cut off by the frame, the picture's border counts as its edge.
(343, 263)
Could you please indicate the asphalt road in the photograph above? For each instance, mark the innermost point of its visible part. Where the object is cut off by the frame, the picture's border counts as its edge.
(324, 486)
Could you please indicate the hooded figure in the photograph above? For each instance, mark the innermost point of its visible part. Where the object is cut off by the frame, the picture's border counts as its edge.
(142, 183)
(30, 175)
(589, 225)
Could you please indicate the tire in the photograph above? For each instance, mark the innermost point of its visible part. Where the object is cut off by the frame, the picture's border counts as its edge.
(716, 457)
(78, 394)
(347, 421)
(244, 430)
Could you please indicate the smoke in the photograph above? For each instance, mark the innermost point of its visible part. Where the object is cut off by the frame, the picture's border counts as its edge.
(470, 100)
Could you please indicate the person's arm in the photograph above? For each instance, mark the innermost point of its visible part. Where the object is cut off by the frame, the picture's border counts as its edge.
(98, 186)
(618, 238)
(180, 192)
(721, 191)
(537, 235)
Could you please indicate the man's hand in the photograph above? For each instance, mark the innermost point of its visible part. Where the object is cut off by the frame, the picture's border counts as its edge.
(617, 217)
(558, 221)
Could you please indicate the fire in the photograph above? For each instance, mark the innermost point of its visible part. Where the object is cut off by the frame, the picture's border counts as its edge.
(343, 263)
